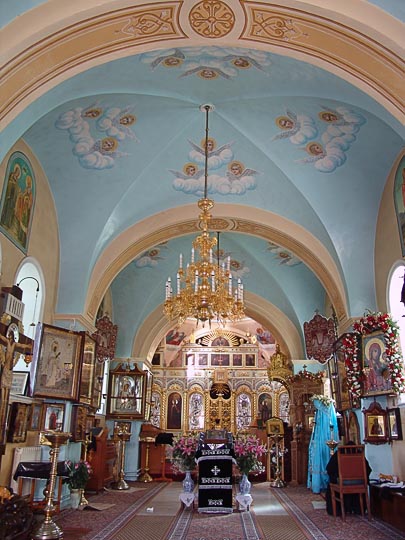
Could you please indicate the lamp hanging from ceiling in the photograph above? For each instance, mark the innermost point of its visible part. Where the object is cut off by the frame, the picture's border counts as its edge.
(205, 288)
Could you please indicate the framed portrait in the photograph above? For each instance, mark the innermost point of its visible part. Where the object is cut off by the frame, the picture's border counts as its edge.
(237, 360)
(122, 427)
(203, 359)
(219, 359)
(394, 424)
(377, 375)
(98, 385)
(35, 421)
(250, 360)
(58, 363)
(78, 423)
(53, 416)
(338, 377)
(18, 422)
(274, 426)
(353, 428)
(375, 424)
(174, 411)
(20, 382)
(17, 200)
(86, 376)
(310, 421)
(127, 392)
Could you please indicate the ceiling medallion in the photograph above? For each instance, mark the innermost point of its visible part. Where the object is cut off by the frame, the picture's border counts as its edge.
(212, 19)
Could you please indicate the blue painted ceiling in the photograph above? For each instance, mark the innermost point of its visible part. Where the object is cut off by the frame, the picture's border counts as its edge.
(115, 141)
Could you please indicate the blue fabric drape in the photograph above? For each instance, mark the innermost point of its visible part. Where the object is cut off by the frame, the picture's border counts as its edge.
(318, 452)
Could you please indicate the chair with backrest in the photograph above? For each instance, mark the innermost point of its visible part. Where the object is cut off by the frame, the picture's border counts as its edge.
(352, 480)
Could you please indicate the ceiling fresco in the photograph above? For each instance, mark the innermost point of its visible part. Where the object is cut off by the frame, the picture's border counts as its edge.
(121, 144)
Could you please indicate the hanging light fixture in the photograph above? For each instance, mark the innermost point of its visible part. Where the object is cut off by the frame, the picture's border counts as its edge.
(205, 288)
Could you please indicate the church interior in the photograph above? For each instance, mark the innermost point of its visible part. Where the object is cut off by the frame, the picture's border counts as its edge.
(202, 228)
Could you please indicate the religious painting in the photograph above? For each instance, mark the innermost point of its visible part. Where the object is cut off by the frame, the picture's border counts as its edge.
(98, 385)
(196, 412)
(53, 416)
(237, 360)
(174, 337)
(20, 382)
(274, 426)
(17, 200)
(338, 376)
(375, 424)
(265, 407)
(250, 360)
(218, 359)
(58, 363)
(18, 422)
(203, 359)
(78, 423)
(399, 200)
(377, 375)
(174, 410)
(353, 429)
(394, 424)
(127, 392)
(87, 371)
(35, 417)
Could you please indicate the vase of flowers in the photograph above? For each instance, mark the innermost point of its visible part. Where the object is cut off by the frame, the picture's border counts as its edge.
(183, 458)
(78, 475)
(248, 452)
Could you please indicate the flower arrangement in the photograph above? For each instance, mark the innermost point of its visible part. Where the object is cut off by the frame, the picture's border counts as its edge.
(325, 400)
(78, 474)
(184, 451)
(368, 324)
(248, 451)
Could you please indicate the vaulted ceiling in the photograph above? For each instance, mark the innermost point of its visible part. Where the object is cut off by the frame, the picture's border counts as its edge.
(308, 105)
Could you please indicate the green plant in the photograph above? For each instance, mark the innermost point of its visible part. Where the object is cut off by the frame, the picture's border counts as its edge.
(78, 474)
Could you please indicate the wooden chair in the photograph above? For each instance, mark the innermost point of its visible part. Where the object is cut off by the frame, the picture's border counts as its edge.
(353, 478)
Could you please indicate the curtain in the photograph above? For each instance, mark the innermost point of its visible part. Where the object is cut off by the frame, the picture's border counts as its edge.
(318, 453)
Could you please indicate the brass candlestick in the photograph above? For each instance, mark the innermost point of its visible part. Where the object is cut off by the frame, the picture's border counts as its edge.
(145, 476)
(48, 530)
(123, 436)
(277, 482)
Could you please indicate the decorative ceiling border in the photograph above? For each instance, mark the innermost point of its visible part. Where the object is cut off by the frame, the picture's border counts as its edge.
(342, 49)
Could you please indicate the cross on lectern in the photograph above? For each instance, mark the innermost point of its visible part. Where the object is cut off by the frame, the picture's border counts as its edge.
(215, 470)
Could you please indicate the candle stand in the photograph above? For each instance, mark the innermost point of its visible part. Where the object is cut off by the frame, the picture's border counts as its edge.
(123, 437)
(48, 530)
(277, 482)
(145, 476)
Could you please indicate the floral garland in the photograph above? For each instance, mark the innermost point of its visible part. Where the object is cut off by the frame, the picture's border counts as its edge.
(325, 400)
(366, 325)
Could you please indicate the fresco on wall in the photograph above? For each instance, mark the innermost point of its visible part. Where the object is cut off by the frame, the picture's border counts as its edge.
(399, 200)
(97, 132)
(283, 256)
(17, 200)
(326, 139)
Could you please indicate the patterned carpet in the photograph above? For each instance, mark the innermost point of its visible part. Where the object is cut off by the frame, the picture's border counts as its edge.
(291, 513)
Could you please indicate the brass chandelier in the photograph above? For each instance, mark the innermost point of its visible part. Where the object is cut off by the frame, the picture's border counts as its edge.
(205, 288)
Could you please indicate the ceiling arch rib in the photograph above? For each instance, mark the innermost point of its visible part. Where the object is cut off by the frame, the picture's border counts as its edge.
(158, 229)
(98, 37)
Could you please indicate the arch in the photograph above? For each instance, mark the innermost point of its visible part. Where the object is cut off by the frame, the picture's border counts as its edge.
(82, 38)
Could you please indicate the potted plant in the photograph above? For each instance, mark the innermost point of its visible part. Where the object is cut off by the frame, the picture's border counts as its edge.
(248, 450)
(78, 476)
(183, 458)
